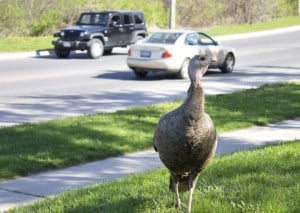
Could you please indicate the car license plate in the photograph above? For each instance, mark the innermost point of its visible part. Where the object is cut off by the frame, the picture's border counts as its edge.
(145, 54)
(66, 44)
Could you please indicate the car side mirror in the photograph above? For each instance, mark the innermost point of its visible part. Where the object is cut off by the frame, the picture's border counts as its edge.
(217, 42)
(115, 24)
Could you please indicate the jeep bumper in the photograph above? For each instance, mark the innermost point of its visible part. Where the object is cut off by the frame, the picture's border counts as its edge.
(73, 45)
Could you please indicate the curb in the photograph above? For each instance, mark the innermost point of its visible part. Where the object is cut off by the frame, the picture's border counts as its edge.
(37, 53)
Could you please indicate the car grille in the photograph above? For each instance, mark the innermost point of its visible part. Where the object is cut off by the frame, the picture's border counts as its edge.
(72, 35)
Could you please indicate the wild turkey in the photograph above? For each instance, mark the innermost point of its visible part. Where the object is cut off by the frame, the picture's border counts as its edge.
(185, 138)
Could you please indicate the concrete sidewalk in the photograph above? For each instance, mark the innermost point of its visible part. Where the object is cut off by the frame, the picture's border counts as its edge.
(29, 189)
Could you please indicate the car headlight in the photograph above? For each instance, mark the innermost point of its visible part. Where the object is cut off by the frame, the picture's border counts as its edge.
(82, 34)
(62, 33)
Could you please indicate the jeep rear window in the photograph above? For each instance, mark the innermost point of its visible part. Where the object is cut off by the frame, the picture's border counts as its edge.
(138, 18)
(93, 19)
(128, 19)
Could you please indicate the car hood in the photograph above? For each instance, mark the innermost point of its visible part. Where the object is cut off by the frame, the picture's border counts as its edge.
(89, 28)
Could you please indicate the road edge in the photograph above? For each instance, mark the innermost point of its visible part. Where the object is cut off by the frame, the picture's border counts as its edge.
(50, 52)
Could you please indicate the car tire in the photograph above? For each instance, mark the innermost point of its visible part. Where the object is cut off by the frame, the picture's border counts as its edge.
(140, 74)
(228, 64)
(138, 38)
(183, 72)
(96, 49)
(61, 52)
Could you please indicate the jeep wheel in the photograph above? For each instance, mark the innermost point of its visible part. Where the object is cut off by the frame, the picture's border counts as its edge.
(138, 38)
(61, 52)
(95, 49)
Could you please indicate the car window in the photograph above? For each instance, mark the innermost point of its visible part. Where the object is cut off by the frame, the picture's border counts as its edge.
(138, 18)
(116, 19)
(205, 39)
(163, 38)
(128, 19)
(93, 19)
(192, 39)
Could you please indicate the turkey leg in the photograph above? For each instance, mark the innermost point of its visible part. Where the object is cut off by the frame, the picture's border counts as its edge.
(192, 183)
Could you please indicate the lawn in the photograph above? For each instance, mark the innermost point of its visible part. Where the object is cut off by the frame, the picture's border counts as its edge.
(36, 147)
(13, 44)
(247, 28)
(258, 180)
(20, 44)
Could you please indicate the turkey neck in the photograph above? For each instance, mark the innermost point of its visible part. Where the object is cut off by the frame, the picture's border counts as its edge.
(194, 103)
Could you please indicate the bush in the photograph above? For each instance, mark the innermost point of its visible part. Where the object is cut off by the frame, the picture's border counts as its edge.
(41, 17)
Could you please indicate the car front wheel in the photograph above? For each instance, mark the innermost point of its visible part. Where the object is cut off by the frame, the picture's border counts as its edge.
(228, 64)
(95, 49)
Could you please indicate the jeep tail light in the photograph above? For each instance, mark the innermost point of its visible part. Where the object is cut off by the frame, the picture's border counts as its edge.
(166, 54)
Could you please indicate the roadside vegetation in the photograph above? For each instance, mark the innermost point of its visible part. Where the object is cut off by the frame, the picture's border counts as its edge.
(13, 44)
(29, 25)
(42, 17)
(35, 147)
(258, 180)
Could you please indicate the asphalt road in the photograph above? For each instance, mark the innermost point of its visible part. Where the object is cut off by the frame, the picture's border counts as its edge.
(37, 88)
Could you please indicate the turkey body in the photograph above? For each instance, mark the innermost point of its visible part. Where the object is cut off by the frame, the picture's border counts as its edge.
(186, 140)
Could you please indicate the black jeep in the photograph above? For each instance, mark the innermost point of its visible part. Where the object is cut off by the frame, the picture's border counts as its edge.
(100, 32)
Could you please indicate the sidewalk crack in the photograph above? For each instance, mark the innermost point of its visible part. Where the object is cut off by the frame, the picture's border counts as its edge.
(22, 193)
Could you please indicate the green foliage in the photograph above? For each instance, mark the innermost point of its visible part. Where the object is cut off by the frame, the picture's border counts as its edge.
(259, 180)
(11, 15)
(153, 9)
(13, 44)
(37, 147)
(286, 8)
(47, 21)
(41, 17)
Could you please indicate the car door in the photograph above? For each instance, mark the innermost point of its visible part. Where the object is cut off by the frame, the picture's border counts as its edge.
(191, 45)
(128, 20)
(210, 46)
(115, 31)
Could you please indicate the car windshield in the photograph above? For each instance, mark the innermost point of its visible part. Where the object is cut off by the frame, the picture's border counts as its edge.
(163, 38)
(93, 19)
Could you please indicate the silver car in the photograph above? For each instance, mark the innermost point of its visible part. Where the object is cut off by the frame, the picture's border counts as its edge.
(171, 51)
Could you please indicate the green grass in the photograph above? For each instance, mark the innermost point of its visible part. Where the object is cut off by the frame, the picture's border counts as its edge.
(259, 180)
(14, 44)
(247, 28)
(17, 44)
(30, 148)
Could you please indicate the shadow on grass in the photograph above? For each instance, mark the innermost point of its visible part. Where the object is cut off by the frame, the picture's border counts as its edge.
(30, 148)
